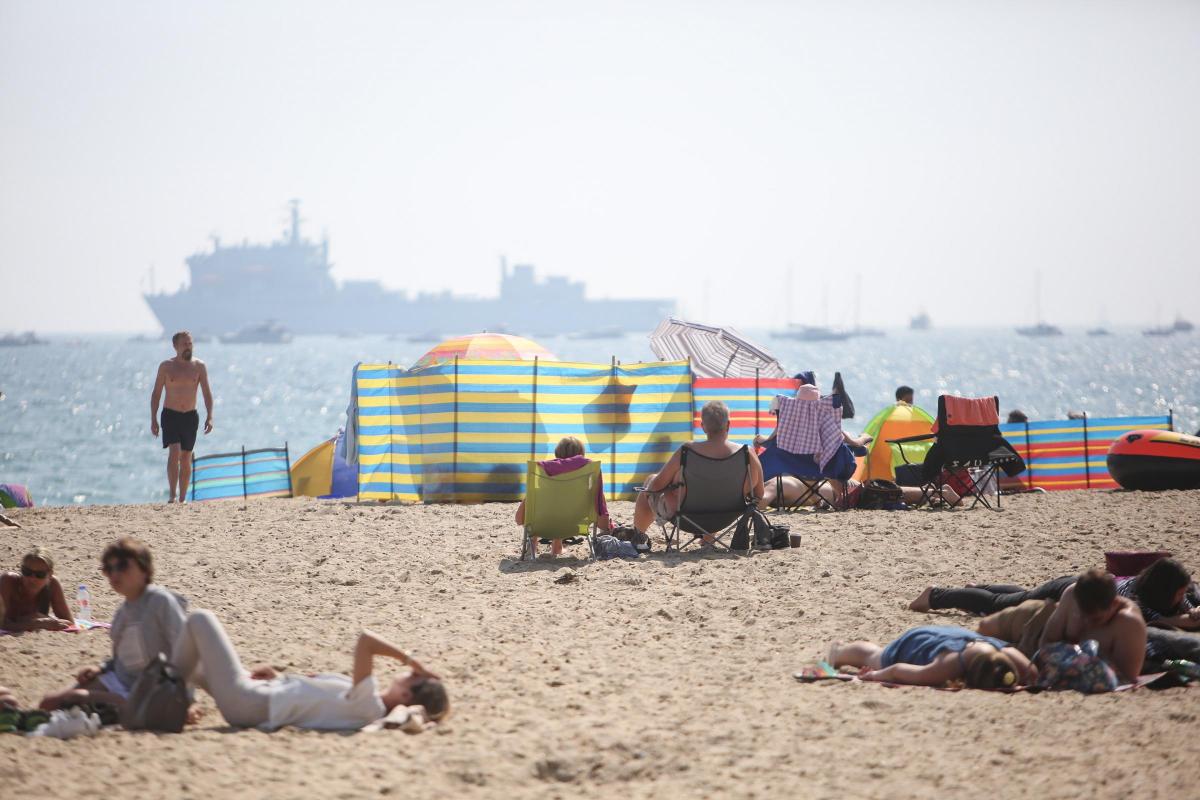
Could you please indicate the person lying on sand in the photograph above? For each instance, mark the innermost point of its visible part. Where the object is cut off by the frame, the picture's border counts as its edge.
(934, 655)
(568, 457)
(30, 594)
(831, 492)
(265, 698)
(665, 490)
(1091, 609)
(148, 622)
(1164, 592)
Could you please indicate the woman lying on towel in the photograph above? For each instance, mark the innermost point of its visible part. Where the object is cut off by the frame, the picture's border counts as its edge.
(831, 493)
(933, 655)
(264, 698)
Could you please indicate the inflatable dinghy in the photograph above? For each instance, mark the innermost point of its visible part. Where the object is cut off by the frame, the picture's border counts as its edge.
(1154, 460)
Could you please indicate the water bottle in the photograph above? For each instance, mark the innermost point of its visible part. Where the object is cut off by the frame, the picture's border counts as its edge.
(1181, 666)
(83, 598)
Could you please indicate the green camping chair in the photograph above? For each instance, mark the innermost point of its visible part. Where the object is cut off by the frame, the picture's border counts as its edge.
(560, 506)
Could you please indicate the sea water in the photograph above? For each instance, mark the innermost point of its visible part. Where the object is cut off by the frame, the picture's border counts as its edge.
(75, 421)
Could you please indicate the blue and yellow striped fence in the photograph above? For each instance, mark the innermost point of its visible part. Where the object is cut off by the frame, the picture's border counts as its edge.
(463, 431)
(247, 473)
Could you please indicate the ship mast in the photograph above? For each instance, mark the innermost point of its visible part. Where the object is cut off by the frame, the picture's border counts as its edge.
(295, 235)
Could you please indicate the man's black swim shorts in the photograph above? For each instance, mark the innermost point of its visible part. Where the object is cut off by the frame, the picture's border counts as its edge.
(180, 427)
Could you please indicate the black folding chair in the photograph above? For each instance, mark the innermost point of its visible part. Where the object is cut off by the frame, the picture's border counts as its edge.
(966, 437)
(714, 502)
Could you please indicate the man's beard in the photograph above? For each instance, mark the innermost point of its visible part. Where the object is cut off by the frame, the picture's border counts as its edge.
(187, 355)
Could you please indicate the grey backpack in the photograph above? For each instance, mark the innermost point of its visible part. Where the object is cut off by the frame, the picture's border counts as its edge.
(158, 700)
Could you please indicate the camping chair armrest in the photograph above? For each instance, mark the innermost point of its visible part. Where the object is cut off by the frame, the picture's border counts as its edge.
(909, 439)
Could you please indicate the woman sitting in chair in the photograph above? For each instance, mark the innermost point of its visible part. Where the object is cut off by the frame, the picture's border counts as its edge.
(568, 457)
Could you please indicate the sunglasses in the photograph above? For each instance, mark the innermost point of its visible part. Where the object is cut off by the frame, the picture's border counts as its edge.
(29, 572)
(119, 565)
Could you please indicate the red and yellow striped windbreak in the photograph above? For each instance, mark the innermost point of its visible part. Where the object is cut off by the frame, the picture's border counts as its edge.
(485, 346)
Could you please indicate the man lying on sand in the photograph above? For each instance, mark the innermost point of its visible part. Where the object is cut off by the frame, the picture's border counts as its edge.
(934, 655)
(1091, 609)
(264, 698)
(1164, 593)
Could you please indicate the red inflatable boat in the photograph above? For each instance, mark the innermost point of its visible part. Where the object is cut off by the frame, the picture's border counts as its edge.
(1153, 460)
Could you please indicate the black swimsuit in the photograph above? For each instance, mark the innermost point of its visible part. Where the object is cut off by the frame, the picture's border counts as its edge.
(180, 427)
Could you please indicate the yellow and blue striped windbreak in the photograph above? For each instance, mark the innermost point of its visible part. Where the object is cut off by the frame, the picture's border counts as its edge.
(247, 473)
(463, 431)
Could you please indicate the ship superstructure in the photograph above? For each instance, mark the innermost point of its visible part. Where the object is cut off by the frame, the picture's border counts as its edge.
(289, 282)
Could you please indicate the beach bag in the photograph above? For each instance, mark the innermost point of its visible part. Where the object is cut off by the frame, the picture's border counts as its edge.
(781, 537)
(628, 533)
(158, 700)
(1069, 666)
(879, 494)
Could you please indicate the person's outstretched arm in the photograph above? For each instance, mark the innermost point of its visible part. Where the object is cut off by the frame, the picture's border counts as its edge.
(208, 398)
(370, 645)
(58, 602)
(160, 383)
(943, 668)
(1056, 626)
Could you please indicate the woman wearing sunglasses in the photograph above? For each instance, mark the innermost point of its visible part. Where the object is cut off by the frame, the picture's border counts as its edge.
(30, 594)
(147, 623)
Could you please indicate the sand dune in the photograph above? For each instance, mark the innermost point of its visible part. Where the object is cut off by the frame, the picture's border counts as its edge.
(662, 677)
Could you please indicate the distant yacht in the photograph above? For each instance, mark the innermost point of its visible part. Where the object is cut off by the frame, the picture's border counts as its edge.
(1098, 332)
(1042, 328)
(1180, 325)
(263, 333)
(919, 323)
(598, 333)
(21, 339)
(810, 333)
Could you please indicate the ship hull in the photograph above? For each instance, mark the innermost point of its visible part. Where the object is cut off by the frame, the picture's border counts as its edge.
(387, 313)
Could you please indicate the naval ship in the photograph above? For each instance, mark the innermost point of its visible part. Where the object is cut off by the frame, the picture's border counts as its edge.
(288, 283)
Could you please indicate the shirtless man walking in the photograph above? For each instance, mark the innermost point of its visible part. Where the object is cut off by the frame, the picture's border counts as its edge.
(180, 421)
(1091, 609)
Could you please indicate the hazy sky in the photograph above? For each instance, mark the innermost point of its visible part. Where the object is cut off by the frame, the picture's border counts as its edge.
(945, 151)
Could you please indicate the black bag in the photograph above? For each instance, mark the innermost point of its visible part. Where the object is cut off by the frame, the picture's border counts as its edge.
(879, 494)
(158, 700)
(741, 534)
(781, 537)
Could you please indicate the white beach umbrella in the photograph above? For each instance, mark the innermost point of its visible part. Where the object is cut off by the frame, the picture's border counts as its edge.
(714, 352)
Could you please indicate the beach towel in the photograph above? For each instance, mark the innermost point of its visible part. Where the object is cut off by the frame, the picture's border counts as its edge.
(80, 625)
(824, 671)
(970, 411)
(806, 427)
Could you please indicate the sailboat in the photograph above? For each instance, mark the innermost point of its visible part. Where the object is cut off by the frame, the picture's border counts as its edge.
(813, 333)
(1042, 328)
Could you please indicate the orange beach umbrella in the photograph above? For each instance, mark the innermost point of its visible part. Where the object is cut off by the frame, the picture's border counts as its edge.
(490, 346)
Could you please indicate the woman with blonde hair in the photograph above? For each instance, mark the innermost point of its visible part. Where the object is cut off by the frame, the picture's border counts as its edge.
(30, 594)
(568, 457)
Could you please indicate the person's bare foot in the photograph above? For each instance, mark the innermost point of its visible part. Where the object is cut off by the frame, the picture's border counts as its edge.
(951, 496)
(921, 604)
(835, 650)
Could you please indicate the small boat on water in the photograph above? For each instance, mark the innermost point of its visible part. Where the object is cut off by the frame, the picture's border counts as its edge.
(613, 332)
(919, 323)
(263, 333)
(1180, 325)
(1040, 329)
(425, 338)
(1099, 332)
(25, 339)
(810, 333)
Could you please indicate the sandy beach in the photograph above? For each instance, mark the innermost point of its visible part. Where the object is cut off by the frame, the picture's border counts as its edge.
(669, 676)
